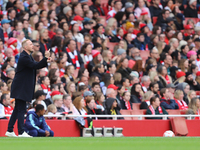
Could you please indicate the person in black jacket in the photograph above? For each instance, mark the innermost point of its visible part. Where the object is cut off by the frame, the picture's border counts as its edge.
(125, 102)
(146, 100)
(91, 110)
(23, 86)
(112, 107)
(98, 71)
(191, 10)
(167, 100)
(194, 85)
(123, 68)
(97, 7)
(161, 21)
(44, 44)
(86, 27)
(136, 93)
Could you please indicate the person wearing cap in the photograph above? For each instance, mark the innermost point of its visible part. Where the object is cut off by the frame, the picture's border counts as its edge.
(129, 8)
(180, 75)
(167, 99)
(97, 58)
(117, 7)
(188, 30)
(191, 10)
(155, 9)
(40, 95)
(67, 11)
(194, 85)
(192, 55)
(198, 77)
(5, 24)
(12, 44)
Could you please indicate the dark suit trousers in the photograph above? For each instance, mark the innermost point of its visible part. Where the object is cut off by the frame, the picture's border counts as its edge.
(18, 114)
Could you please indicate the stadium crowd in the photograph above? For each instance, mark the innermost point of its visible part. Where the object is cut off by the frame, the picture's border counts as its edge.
(99, 54)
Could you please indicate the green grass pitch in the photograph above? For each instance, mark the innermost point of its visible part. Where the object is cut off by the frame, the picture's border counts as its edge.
(103, 143)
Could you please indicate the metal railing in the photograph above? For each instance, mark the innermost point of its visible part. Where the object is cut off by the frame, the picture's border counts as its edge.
(140, 117)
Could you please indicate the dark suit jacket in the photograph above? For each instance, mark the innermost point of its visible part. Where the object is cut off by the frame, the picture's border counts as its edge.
(1, 35)
(24, 81)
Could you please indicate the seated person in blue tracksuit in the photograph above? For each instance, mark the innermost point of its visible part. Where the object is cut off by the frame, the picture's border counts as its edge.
(35, 124)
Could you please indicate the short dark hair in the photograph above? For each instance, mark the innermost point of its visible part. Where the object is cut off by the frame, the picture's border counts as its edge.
(1, 84)
(39, 107)
(152, 85)
(162, 91)
(95, 83)
(153, 99)
(3, 97)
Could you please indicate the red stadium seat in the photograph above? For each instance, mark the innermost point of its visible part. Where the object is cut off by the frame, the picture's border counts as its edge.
(194, 19)
(126, 112)
(198, 93)
(138, 112)
(144, 55)
(179, 126)
(155, 20)
(173, 112)
(111, 46)
(89, 3)
(136, 106)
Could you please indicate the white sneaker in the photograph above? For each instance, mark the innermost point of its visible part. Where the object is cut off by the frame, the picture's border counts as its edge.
(10, 134)
(24, 135)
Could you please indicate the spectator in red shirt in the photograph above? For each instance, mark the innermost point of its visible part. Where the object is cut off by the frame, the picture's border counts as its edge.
(5, 108)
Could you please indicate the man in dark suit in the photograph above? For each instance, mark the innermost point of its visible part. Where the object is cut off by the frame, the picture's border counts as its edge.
(23, 85)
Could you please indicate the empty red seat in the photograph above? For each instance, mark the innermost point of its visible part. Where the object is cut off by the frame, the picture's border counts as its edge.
(144, 55)
(111, 46)
(173, 112)
(136, 106)
(197, 92)
(138, 112)
(126, 112)
(155, 20)
(179, 126)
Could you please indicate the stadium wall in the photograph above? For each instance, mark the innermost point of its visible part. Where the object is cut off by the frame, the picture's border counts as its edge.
(69, 128)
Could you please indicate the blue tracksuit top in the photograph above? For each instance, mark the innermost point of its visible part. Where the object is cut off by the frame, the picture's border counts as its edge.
(34, 122)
